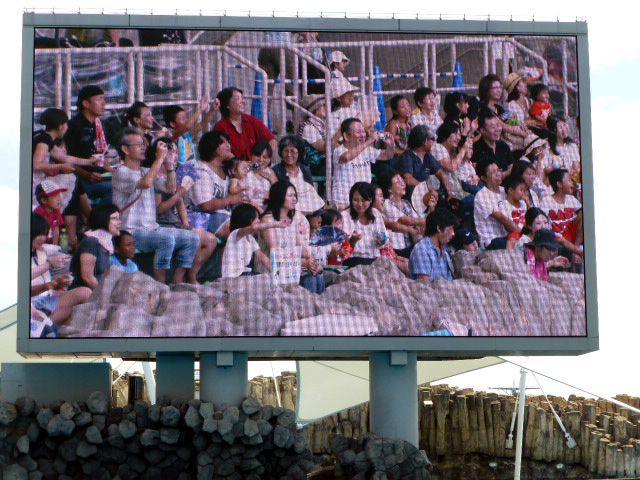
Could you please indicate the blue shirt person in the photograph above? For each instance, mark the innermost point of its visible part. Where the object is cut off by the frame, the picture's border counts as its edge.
(428, 260)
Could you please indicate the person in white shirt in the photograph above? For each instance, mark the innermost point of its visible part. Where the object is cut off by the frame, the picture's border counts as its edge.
(491, 224)
(241, 246)
(353, 159)
(364, 224)
(343, 97)
(425, 99)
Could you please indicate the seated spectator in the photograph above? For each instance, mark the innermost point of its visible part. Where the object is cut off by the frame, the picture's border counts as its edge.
(261, 176)
(429, 259)
(465, 240)
(417, 163)
(338, 63)
(86, 138)
(312, 131)
(518, 105)
(514, 207)
(46, 295)
(91, 258)
(425, 100)
(399, 215)
(489, 146)
(241, 246)
(282, 206)
(388, 249)
(138, 116)
(364, 225)
(353, 159)
(342, 251)
(209, 201)
(526, 170)
(124, 250)
(490, 90)
(172, 212)
(491, 224)
(240, 170)
(563, 151)
(564, 210)
(291, 150)
(542, 254)
(456, 110)
(134, 189)
(399, 126)
(535, 219)
(540, 110)
(186, 128)
(243, 130)
(48, 194)
(343, 102)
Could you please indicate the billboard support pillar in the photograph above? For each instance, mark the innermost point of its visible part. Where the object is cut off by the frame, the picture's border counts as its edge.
(224, 378)
(175, 376)
(393, 393)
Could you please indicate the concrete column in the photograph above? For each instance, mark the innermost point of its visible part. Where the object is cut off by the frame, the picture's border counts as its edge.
(175, 376)
(393, 393)
(224, 378)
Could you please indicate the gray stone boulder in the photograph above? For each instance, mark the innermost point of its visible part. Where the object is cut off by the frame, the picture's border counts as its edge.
(98, 403)
(8, 413)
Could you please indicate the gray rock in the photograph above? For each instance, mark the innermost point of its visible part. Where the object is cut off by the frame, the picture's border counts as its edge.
(286, 418)
(224, 426)
(85, 449)
(153, 455)
(170, 436)
(56, 425)
(99, 421)
(281, 436)
(251, 428)
(68, 410)
(267, 412)
(192, 418)
(206, 472)
(250, 464)
(225, 468)
(67, 450)
(93, 435)
(113, 429)
(210, 425)
(339, 443)
(373, 448)
(264, 427)
(36, 475)
(250, 405)
(204, 459)
(44, 417)
(127, 429)
(170, 416)
(231, 414)
(255, 440)
(206, 410)
(390, 461)
(299, 443)
(361, 462)
(379, 475)
(154, 413)
(15, 472)
(229, 437)
(25, 406)
(116, 441)
(82, 419)
(150, 438)
(8, 413)
(23, 444)
(347, 457)
(98, 403)
(33, 431)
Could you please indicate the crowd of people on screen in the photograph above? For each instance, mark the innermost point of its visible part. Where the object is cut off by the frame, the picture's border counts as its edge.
(478, 173)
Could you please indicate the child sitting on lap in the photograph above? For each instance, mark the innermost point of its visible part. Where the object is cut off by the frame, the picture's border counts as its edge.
(125, 249)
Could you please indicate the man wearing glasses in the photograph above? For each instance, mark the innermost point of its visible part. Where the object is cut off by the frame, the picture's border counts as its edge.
(134, 189)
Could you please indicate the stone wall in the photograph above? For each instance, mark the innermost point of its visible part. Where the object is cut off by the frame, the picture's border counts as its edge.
(169, 440)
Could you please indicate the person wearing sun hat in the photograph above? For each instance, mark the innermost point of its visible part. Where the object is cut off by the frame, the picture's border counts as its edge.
(312, 131)
(343, 102)
(338, 63)
(517, 101)
(542, 254)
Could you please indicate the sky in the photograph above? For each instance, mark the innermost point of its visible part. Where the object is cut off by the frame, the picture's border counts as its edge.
(615, 67)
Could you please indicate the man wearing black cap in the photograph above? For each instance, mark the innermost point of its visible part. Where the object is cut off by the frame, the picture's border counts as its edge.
(85, 138)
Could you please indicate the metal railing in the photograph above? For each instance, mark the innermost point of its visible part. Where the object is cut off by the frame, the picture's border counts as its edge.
(208, 66)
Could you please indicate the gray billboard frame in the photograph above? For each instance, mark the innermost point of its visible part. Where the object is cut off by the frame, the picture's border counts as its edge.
(305, 347)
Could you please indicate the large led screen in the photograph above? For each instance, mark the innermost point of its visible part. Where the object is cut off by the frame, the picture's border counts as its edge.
(236, 183)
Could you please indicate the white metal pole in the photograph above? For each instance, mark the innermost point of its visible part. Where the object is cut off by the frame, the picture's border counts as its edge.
(520, 432)
(151, 381)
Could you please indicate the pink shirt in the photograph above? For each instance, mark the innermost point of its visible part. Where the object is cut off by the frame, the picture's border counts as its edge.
(538, 267)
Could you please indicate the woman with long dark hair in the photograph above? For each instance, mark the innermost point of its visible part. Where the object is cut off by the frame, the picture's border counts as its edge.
(281, 205)
(364, 224)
